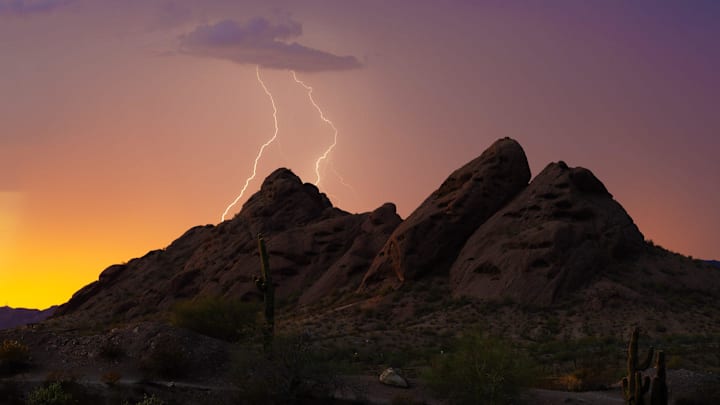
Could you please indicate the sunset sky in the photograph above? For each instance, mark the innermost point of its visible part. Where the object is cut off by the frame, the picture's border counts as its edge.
(124, 123)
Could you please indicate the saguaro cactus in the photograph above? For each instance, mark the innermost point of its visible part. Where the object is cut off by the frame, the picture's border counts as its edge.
(659, 391)
(634, 385)
(265, 285)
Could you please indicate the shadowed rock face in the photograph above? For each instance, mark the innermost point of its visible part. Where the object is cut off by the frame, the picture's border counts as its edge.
(315, 250)
(428, 241)
(554, 238)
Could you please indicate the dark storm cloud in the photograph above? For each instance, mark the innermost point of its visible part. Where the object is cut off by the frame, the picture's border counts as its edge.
(260, 42)
(29, 7)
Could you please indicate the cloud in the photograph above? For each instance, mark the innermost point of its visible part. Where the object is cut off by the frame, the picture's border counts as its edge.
(260, 42)
(29, 7)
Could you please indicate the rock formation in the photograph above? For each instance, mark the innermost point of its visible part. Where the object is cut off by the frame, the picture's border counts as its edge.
(555, 237)
(484, 229)
(428, 241)
(315, 250)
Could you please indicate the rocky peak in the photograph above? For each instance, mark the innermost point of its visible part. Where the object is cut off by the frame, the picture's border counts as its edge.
(428, 241)
(283, 202)
(554, 238)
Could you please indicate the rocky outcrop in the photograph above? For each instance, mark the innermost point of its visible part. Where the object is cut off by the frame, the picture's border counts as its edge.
(347, 272)
(554, 238)
(428, 241)
(285, 202)
(315, 250)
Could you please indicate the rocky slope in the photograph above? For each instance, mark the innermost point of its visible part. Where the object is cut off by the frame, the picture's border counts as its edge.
(554, 238)
(428, 241)
(12, 317)
(315, 249)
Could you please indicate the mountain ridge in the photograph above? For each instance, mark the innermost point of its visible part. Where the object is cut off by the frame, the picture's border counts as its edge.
(14, 317)
(489, 230)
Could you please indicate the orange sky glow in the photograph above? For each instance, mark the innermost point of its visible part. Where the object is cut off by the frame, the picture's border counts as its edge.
(119, 129)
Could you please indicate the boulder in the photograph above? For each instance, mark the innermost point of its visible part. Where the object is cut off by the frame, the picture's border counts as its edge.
(393, 377)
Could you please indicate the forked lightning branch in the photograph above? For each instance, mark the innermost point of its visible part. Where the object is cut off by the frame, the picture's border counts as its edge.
(319, 160)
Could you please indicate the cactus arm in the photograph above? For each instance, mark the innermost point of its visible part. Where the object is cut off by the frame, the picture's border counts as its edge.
(265, 285)
(625, 386)
(659, 391)
(642, 385)
(629, 382)
(648, 360)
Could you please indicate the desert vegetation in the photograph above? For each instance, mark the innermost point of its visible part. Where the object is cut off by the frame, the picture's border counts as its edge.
(52, 394)
(293, 370)
(480, 369)
(217, 317)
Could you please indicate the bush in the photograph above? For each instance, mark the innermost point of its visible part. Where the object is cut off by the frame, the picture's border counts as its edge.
(53, 394)
(221, 318)
(294, 371)
(479, 369)
(14, 356)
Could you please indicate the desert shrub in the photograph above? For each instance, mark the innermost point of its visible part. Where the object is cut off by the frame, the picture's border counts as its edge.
(479, 369)
(53, 394)
(14, 357)
(221, 318)
(292, 371)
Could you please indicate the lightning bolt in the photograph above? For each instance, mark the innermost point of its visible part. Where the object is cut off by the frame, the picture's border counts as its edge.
(327, 121)
(262, 148)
